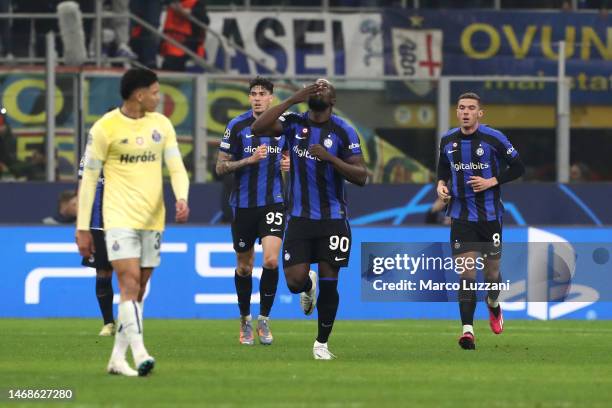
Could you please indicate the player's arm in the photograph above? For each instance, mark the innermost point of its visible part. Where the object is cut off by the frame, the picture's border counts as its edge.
(444, 174)
(95, 155)
(226, 164)
(515, 168)
(227, 151)
(179, 179)
(349, 161)
(352, 168)
(268, 122)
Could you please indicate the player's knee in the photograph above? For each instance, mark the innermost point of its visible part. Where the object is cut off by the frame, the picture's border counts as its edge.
(295, 285)
(244, 270)
(270, 262)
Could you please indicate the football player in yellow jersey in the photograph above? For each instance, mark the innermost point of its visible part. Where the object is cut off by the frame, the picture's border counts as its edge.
(129, 144)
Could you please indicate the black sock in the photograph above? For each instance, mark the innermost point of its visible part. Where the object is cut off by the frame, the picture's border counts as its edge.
(327, 305)
(494, 294)
(244, 287)
(467, 302)
(104, 293)
(267, 290)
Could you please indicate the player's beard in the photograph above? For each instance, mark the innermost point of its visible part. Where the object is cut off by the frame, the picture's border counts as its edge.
(317, 104)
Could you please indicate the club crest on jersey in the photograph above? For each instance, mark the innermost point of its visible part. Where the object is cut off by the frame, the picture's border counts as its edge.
(328, 143)
(455, 144)
(156, 136)
(480, 151)
(241, 244)
(139, 140)
(116, 246)
(304, 130)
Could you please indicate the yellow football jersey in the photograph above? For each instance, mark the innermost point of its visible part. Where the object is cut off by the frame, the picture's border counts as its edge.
(131, 151)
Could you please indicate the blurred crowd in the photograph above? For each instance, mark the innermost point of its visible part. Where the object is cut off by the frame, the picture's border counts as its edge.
(120, 37)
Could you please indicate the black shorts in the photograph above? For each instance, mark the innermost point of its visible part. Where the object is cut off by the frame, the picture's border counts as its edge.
(99, 260)
(312, 241)
(482, 236)
(258, 222)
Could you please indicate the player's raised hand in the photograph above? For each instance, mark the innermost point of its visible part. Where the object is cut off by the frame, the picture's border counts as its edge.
(320, 152)
(285, 162)
(443, 193)
(306, 92)
(260, 153)
(481, 184)
(85, 243)
(182, 211)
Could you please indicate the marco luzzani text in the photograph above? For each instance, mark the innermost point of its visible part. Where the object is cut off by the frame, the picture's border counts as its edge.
(420, 265)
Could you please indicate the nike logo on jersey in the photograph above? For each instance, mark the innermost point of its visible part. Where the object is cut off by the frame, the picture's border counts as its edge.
(339, 259)
(249, 136)
(274, 230)
(451, 151)
(124, 141)
(298, 136)
(277, 137)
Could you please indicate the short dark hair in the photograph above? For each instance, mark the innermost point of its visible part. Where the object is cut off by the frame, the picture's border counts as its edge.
(470, 95)
(265, 83)
(136, 78)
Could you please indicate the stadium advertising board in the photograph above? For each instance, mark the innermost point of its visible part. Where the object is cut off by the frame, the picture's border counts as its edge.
(324, 44)
(427, 44)
(478, 42)
(42, 276)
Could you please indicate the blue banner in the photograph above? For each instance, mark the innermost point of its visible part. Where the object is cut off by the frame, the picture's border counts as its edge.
(42, 277)
(479, 42)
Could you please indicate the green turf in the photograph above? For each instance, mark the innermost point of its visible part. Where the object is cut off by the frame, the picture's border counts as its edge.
(380, 363)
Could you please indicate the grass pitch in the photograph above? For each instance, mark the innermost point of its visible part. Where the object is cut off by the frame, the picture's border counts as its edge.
(380, 363)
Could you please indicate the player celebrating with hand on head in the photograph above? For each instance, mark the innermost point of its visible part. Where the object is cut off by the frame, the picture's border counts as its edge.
(129, 143)
(475, 160)
(324, 152)
(257, 202)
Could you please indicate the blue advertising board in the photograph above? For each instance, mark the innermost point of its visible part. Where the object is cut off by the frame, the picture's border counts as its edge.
(42, 276)
(482, 42)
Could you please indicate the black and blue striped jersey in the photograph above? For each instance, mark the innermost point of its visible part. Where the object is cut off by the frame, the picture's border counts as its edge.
(316, 189)
(259, 184)
(484, 153)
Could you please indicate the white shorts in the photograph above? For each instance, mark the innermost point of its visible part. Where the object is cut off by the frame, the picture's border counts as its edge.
(125, 243)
